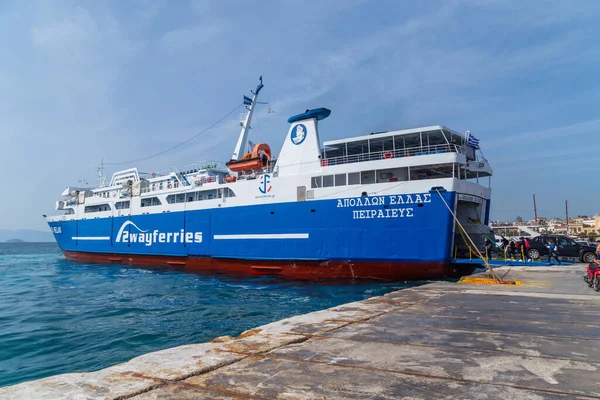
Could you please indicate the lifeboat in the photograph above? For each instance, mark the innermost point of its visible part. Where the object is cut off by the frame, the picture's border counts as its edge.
(258, 158)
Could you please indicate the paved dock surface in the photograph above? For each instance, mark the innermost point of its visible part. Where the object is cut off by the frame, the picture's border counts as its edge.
(539, 340)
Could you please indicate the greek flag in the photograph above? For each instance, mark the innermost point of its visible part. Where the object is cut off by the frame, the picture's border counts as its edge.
(247, 100)
(473, 141)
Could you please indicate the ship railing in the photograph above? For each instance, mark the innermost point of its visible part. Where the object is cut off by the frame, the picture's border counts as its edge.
(187, 170)
(254, 173)
(201, 166)
(388, 154)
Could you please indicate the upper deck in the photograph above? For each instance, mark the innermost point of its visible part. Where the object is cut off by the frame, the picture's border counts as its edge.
(429, 140)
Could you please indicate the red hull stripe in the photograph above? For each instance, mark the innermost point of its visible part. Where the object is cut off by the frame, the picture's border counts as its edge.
(300, 269)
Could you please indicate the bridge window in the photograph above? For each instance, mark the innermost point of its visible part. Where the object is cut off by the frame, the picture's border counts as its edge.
(340, 180)
(354, 178)
(328, 181)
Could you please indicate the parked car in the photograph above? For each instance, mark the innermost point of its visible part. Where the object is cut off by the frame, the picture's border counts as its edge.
(583, 242)
(567, 247)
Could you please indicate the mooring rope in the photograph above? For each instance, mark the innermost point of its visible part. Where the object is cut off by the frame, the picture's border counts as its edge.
(462, 230)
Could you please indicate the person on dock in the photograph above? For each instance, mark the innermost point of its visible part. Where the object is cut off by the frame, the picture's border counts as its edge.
(489, 248)
(523, 247)
(512, 249)
(552, 251)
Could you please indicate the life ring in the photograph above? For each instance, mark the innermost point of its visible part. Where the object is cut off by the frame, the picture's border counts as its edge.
(154, 175)
(387, 155)
(169, 186)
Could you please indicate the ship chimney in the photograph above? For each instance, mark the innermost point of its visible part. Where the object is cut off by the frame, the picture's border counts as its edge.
(301, 150)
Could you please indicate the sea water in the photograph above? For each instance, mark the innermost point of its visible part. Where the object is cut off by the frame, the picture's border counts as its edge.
(58, 316)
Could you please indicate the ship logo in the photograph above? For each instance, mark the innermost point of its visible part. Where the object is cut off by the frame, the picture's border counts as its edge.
(149, 238)
(298, 134)
(264, 184)
(125, 225)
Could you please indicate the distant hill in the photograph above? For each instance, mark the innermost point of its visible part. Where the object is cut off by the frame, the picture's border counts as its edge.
(26, 235)
(15, 241)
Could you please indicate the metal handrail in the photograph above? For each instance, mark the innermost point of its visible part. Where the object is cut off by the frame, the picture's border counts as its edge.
(387, 154)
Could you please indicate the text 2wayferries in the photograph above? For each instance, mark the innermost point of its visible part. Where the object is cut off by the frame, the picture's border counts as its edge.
(371, 206)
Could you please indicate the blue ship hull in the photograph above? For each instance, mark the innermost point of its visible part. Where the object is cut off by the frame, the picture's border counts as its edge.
(387, 237)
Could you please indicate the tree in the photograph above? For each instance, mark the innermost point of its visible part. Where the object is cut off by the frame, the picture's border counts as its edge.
(519, 219)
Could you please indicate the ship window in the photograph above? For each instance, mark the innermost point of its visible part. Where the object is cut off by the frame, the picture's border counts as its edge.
(97, 208)
(381, 144)
(431, 172)
(121, 205)
(392, 175)
(434, 138)
(176, 198)
(367, 177)
(411, 142)
(328, 181)
(454, 139)
(315, 182)
(150, 201)
(340, 180)
(210, 196)
(357, 148)
(354, 178)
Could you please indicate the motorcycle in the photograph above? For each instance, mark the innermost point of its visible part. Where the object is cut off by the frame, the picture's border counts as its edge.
(592, 278)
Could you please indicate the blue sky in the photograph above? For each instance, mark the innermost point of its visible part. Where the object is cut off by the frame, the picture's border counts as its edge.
(83, 80)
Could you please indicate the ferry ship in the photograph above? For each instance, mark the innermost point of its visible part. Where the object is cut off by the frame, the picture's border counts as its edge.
(385, 205)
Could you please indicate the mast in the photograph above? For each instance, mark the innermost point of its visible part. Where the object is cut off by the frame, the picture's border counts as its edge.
(100, 171)
(239, 147)
(534, 210)
(567, 214)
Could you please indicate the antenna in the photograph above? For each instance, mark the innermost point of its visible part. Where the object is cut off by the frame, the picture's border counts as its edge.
(100, 171)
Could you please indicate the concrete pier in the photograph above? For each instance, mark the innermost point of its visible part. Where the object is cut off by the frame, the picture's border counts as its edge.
(538, 340)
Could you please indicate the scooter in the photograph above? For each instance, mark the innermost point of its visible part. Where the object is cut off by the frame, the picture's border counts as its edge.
(592, 278)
